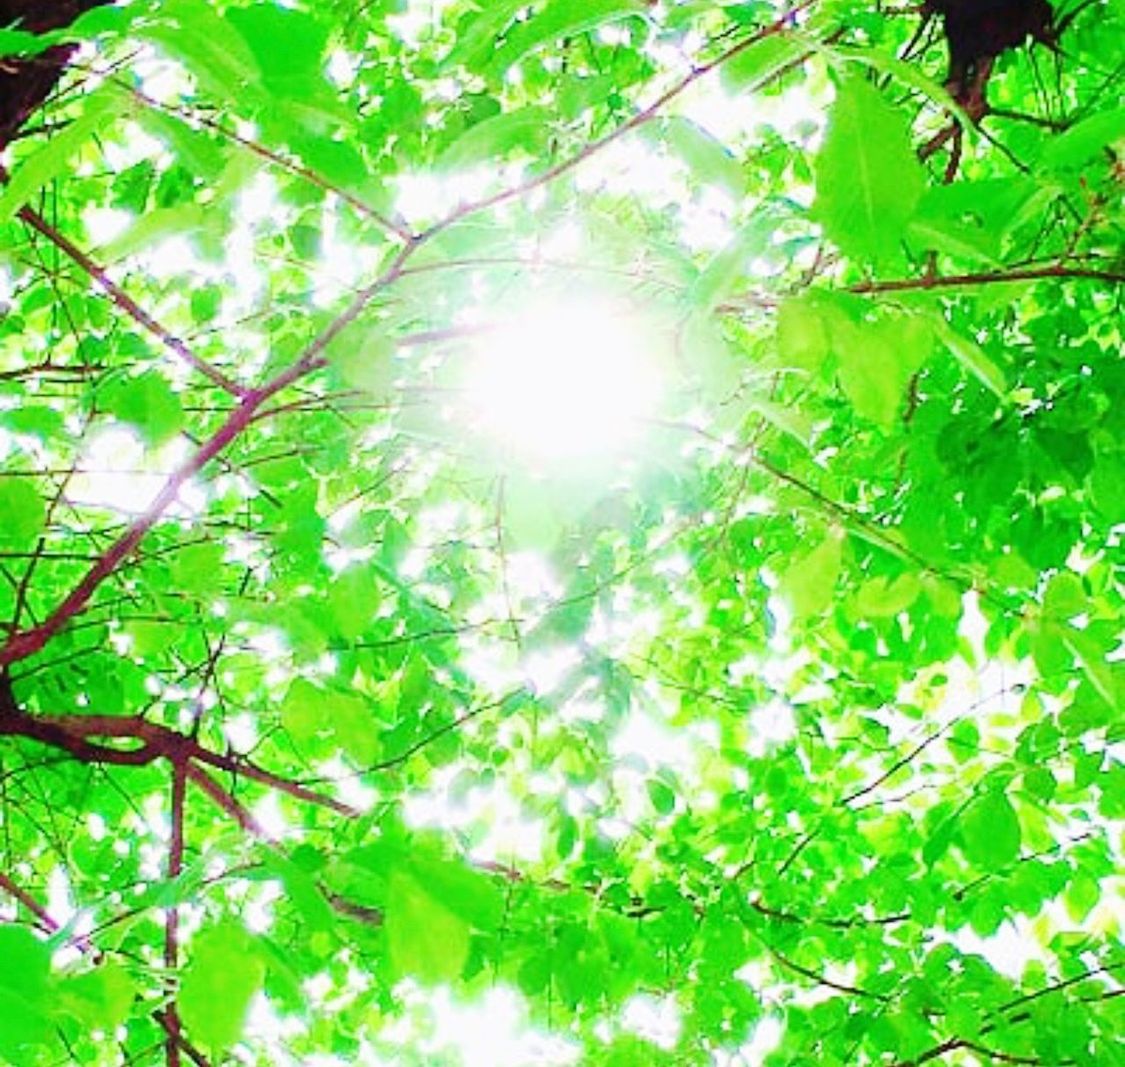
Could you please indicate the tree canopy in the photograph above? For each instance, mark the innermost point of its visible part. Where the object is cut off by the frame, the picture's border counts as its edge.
(560, 531)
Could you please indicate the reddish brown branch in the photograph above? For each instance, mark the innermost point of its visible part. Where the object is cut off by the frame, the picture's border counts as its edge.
(226, 801)
(25, 84)
(643, 116)
(399, 229)
(819, 979)
(83, 737)
(127, 304)
(953, 281)
(42, 917)
(26, 643)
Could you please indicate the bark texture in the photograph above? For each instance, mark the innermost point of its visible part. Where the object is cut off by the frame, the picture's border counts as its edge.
(25, 83)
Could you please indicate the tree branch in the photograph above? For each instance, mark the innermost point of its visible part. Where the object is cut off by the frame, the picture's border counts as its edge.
(128, 305)
(79, 736)
(952, 281)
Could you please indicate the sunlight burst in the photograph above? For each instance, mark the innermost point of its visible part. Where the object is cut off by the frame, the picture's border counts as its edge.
(566, 382)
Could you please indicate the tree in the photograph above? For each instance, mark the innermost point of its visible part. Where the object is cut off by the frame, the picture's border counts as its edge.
(377, 637)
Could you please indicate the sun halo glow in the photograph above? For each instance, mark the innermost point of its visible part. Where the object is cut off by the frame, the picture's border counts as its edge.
(565, 382)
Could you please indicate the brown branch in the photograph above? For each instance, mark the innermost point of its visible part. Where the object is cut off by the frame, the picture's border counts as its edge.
(41, 914)
(124, 302)
(819, 979)
(951, 281)
(224, 800)
(792, 918)
(393, 226)
(244, 768)
(26, 643)
(895, 767)
(26, 84)
(81, 735)
(954, 1043)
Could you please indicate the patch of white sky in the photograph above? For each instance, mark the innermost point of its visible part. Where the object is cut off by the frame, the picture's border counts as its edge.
(494, 1030)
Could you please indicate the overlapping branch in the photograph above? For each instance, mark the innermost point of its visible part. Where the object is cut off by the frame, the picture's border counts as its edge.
(141, 742)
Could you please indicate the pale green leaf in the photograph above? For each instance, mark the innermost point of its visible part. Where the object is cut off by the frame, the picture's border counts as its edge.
(147, 403)
(868, 178)
(560, 18)
(56, 156)
(424, 939)
(100, 998)
(222, 977)
(809, 583)
(497, 137)
(972, 357)
(22, 512)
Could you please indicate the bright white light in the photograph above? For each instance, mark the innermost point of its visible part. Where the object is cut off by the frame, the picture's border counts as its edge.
(566, 382)
(655, 1019)
(119, 473)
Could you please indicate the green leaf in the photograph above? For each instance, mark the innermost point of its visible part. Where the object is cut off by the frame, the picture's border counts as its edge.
(560, 18)
(199, 567)
(287, 44)
(868, 179)
(1094, 660)
(155, 226)
(353, 600)
(803, 332)
(497, 137)
(208, 45)
(663, 797)
(100, 999)
(760, 63)
(424, 939)
(222, 977)
(1064, 596)
(56, 156)
(24, 1000)
(148, 403)
(21, 43)
(709, 160)
(972, 357)
(475, 896)
(22, 513)
(910, 74)
(1081, 897)
(886, 597)
(731, 264)
(353, 724)
(302, 711)
(877, 359)
(809, 583)
(27, 961)
(990, 831)
(1084, 141)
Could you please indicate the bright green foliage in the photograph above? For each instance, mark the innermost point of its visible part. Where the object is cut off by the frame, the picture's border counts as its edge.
(868, 179)
(218, 983)
(758, 738)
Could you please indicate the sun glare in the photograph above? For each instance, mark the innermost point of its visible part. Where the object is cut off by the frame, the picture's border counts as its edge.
(565, 382)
